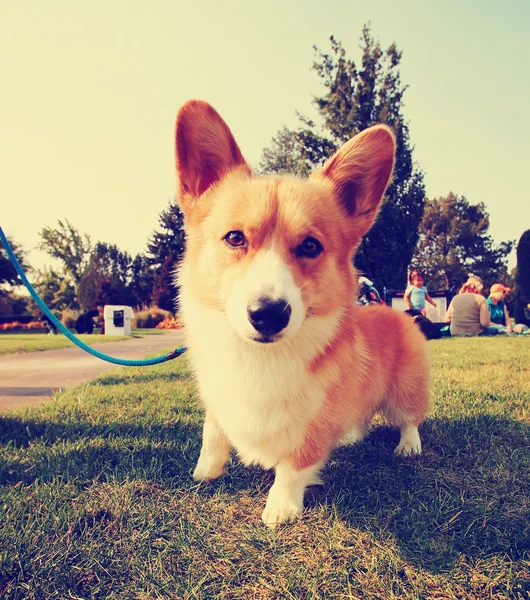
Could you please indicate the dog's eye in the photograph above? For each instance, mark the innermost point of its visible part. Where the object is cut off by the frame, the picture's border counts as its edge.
(310, 248)
(236, 239)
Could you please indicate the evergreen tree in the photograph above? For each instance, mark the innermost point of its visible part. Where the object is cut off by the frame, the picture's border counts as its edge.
(143, 279)
(165, 249)
(356, 98)
(165, 290)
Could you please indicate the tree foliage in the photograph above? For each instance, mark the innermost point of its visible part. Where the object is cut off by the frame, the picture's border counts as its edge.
(355, 98)
(142, 280)
(8, 273)
(522, 279)
(165, 249)
(106, 278)
(56, 290)
(66, 244)
(455, 241)
(165, 289)
(92, 275)
(10, 302)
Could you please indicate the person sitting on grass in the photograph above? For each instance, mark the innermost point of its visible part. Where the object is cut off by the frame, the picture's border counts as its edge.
(468, 312)
(497, 307)
(416, 293)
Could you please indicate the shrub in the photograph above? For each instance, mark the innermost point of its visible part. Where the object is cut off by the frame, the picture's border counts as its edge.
(150, 318)
(522, 279)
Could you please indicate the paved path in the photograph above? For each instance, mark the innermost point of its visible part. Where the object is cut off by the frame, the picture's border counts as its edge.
(33, 377)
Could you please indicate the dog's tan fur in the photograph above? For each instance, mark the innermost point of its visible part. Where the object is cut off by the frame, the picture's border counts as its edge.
(287, 404)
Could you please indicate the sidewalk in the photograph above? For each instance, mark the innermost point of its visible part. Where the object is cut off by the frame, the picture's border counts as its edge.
(32, 378)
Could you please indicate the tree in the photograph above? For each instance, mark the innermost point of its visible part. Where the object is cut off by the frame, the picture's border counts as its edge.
(165, 249)
(455, 241)
(165, 289)
(106, 278)
(10, 303)
(355, 99)
(296, 152)
(100, 274)
(142, 280)
(66, 244)
(8, 273)
(56, 290)
(522, 279)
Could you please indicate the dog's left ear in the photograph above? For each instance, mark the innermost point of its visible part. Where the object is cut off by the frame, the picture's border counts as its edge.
(205, 151)
(360, 172)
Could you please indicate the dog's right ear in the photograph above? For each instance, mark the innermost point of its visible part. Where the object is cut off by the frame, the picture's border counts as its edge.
(205, 151)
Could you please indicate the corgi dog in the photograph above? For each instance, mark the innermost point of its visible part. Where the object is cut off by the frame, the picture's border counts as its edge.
(287, 366)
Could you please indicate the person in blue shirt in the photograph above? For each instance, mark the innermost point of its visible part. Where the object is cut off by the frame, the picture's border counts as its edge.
(498, 311)
(416, 293)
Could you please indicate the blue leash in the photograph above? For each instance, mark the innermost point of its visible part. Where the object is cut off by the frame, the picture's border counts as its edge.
(69, 335)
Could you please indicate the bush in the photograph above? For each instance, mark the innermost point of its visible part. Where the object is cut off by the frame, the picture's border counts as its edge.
(69, 317)
(149, 319)
(522, 279)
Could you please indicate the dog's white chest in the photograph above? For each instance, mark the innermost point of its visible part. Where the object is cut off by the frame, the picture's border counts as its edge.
(263, 397)
(262, 400)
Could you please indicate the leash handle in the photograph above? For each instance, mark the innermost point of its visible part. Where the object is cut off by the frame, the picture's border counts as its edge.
(63, 329)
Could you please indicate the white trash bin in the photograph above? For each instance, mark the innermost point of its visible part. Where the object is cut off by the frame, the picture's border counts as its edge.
(118, 319)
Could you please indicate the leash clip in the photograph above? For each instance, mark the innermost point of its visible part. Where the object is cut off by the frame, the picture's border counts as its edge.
(175, 353)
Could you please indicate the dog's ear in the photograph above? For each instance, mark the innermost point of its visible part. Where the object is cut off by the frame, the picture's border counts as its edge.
(359, 173)
(205, 151)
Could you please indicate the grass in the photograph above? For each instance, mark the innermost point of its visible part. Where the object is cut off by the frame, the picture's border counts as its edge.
(17, 343)
(97, 499)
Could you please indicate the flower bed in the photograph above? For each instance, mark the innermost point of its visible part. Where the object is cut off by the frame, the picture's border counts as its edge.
(171, 323)
(17, 326)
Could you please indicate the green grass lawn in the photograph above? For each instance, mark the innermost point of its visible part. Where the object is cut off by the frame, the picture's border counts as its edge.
(16, 343)
(97, 499)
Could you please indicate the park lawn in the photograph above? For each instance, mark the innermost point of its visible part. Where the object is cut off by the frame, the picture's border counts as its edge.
(17, 343)
(98, 501)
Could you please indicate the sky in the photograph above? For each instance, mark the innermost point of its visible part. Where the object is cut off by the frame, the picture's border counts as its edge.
(90, 91)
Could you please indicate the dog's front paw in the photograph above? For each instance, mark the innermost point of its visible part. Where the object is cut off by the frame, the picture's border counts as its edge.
(410, 442)
(408, 448)
(207, 470)
(280, 508)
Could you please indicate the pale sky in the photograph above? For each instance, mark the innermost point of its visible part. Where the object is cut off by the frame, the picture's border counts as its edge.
(90, 91)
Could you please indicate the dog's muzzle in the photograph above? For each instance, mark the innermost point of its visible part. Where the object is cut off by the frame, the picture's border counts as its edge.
(269, 317)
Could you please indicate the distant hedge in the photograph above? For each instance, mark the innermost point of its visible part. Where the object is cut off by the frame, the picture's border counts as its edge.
(150, 318)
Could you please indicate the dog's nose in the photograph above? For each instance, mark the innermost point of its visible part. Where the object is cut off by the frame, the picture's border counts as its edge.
(269, 317)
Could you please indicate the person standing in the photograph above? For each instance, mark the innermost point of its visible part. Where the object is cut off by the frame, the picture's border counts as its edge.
(416, 293)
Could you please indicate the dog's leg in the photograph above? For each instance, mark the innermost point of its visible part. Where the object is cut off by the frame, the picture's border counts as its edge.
(410, 442)
(286, 497)
(353, 435)
(215, 451)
